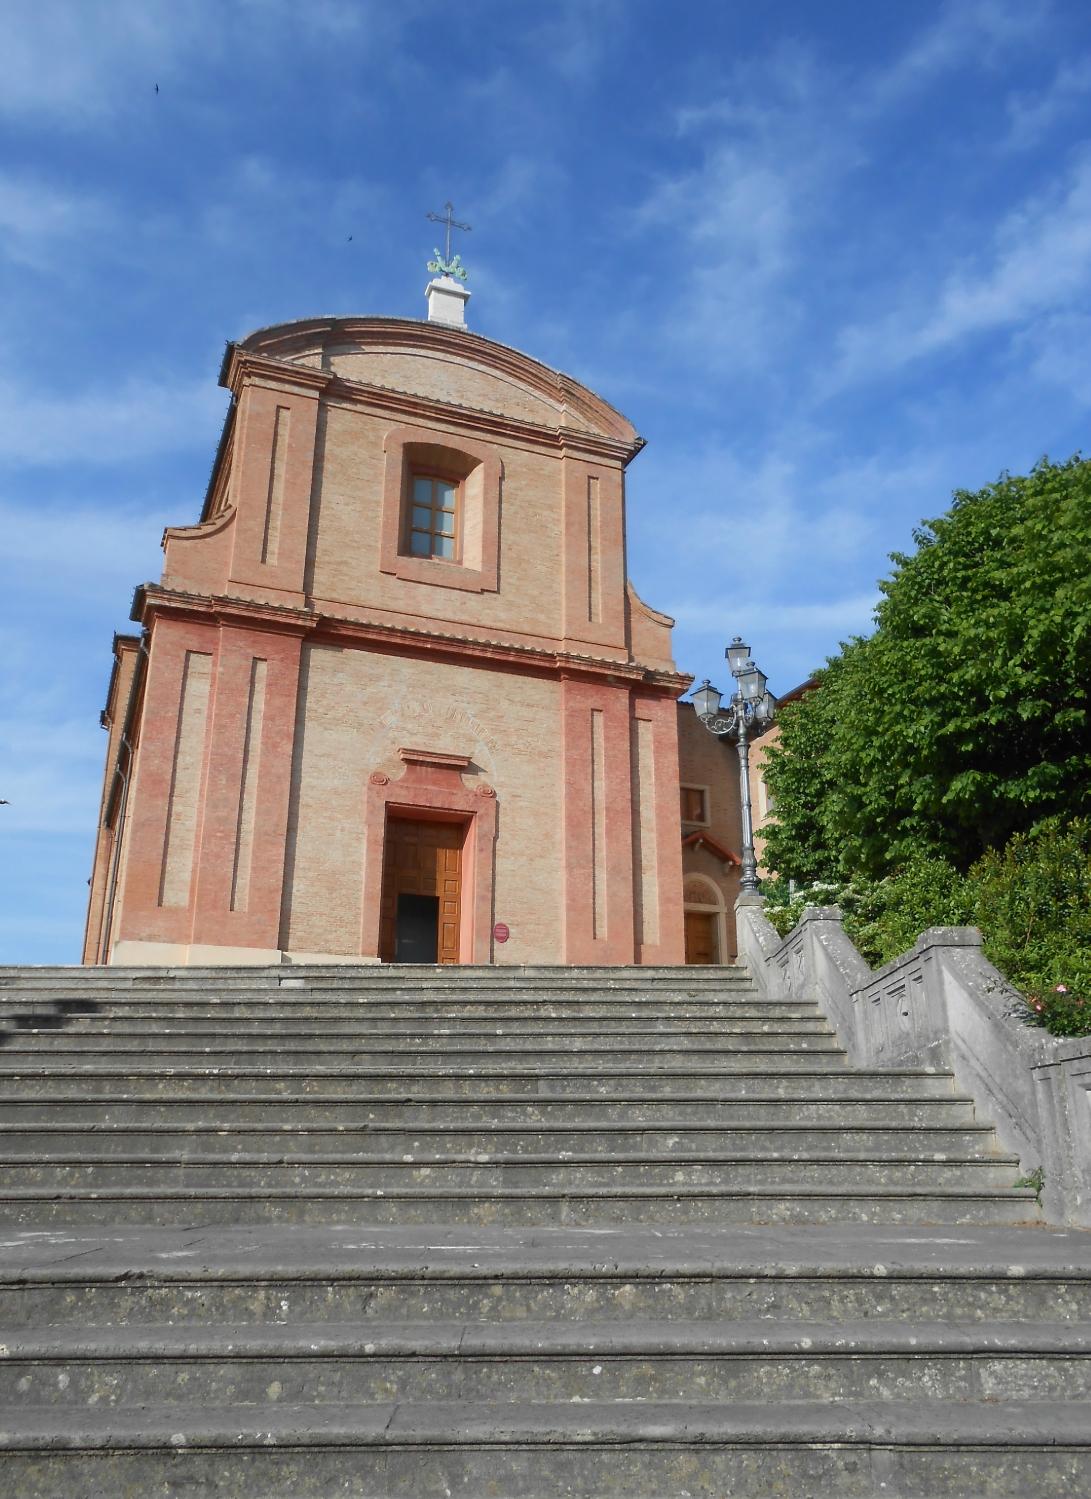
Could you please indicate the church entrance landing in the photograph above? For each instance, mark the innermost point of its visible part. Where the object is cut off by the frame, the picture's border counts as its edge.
(421, 913)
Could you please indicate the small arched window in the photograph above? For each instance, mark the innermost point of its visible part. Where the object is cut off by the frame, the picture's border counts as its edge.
(441, 512)
(433, 515)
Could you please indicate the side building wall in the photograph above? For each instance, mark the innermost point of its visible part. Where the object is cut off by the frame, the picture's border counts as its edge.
(121, 726)
(710, 844)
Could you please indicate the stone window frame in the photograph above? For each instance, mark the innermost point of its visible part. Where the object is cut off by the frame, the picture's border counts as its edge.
(479, 470)
(706, 801)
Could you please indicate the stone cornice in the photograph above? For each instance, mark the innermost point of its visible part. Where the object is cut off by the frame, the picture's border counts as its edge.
(243, 366)
(435, 760)
(122, 644)
(206, 527)
(151, 601)
(320, 337)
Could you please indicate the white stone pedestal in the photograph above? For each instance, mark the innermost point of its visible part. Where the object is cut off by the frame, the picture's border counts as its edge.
(447, 300)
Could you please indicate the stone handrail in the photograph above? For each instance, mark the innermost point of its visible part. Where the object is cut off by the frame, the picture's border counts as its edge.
(942, 1004)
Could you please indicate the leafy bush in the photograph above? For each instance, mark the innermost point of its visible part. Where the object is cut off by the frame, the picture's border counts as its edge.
(1031, 899)
(885, 917)
(784, 905)
(1033, 904)
(1060, 1010)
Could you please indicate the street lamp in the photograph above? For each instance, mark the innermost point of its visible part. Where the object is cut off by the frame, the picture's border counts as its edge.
(749, 713)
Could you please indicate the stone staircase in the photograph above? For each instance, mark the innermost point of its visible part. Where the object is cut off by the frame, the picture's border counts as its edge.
(499, 1232)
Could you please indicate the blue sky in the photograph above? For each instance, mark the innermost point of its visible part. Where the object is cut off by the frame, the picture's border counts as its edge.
(834, 261)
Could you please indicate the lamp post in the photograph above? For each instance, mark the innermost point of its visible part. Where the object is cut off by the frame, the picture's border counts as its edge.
(749, 713)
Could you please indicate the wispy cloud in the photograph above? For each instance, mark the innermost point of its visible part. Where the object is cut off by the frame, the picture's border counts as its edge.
(1039, 258)
(772, 151)
(1033, 114)
(38, 218)
(105, 426)
(1056, 348)
(965, 32)
(94, 552)
(738, 215)
(784, 545)
(86, 64)
(792, 517)
(520, 185)
(842, 616)
(573, 36)
(76, 64)
(50, 758)
(257, 199)
(57, 791)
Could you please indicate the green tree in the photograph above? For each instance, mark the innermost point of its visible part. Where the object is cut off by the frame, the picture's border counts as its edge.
(964, 717)
(798, 843)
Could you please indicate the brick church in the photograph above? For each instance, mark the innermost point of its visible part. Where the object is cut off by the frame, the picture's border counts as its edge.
(394, 697)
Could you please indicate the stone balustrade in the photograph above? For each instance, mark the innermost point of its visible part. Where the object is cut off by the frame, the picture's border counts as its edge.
(942, 1004)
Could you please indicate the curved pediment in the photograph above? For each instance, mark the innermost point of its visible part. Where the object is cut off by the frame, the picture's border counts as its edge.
(440, 363)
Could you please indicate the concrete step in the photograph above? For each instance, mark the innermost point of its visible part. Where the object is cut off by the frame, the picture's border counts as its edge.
(203, 1028)
(806, 1076)
(410, 1016)
(330, 1362)
(479, 1173)
(372, 978)
(669, 1138)
(287, 1275)
(485, 1003)
(904, 1106)
(540, 1449)
(376, 976)
(641, 993)
(467, 1232)
(520, 1052)
(515, 1206)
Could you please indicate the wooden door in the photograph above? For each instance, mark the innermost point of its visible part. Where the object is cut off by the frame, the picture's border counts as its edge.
(701, 941)
(422, 858)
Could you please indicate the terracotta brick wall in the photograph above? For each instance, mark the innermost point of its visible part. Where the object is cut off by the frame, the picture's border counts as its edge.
(293, 653)
(356, 710)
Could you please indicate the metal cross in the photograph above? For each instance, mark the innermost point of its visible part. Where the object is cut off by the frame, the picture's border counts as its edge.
(447, 218)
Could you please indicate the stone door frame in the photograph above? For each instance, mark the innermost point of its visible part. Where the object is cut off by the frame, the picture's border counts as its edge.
(432, 788)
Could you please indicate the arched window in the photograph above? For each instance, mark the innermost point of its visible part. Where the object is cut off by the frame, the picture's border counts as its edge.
(433, 516)
(441, 511)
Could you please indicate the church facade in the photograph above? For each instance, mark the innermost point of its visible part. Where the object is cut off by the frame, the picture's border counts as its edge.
(394, 696)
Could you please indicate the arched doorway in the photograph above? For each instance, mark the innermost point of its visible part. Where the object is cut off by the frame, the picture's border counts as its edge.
(705, 921)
